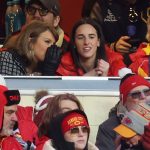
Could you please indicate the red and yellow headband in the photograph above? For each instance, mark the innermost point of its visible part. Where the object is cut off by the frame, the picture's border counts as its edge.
(73, 120)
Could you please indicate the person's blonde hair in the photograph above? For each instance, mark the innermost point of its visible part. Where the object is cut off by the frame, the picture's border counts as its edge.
(32, 32)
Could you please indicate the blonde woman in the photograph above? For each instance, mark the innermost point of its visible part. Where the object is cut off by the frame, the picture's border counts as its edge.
(30, 49)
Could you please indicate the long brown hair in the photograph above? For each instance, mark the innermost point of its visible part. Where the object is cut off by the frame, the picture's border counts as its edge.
(53, 109)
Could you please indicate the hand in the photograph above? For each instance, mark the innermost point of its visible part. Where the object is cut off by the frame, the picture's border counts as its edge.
(51, 60)
(122, 46)
(146, 137)
(102, 68)
(133, 141)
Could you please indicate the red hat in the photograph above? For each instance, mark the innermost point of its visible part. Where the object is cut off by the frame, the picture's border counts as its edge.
(3, 102)
(7, 98)
(129, 82)
(43, 102)
(40, 108)
(72, 120)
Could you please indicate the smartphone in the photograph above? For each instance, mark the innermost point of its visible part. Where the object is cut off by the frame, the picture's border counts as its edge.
(135, 44)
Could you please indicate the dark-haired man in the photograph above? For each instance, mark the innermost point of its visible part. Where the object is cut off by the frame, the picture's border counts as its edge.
(46, 11)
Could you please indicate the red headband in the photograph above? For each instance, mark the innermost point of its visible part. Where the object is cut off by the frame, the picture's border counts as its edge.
(128, 84)
(73, 120)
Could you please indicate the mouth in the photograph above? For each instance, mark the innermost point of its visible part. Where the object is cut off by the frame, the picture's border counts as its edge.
(81, 141)
(12, 126)
(86, 49)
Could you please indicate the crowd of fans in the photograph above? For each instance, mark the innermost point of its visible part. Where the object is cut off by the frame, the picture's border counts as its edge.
(111, 39)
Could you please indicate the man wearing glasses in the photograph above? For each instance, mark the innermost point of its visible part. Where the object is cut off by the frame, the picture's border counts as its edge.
(46, 11)
(113, 134)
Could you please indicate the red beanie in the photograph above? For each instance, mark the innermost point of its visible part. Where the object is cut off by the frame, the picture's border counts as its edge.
(129, 82)
(3, 102)
(72, 120)
(7, 98)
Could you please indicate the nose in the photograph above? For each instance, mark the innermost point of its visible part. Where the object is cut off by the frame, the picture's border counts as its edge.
(14, 117)
(86, 41)
(142, 96)
(37, 15)
(81, 132)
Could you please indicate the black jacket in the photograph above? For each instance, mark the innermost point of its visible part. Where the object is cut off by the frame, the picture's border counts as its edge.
(11, 63)
(115, 19)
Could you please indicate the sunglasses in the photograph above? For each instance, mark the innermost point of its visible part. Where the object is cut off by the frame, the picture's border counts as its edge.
(32, 10)
(139, 94)
(76, 130)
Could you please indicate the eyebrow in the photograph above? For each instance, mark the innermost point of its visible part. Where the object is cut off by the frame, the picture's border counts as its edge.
(46, 38)
(93, 34)
(10, 111)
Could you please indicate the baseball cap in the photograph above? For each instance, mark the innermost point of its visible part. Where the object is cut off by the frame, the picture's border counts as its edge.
(7, 98)
(52, 5)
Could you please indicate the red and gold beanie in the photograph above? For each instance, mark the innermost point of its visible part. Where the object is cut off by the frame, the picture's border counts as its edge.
(73, 119)
(128, 82)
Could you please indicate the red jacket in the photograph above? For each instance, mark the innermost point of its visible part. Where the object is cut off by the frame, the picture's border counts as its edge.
(40, 143)
(10, 143)
(68, 68)
(140, 60)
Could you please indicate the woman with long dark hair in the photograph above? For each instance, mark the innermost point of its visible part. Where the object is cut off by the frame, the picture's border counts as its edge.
(88, 54)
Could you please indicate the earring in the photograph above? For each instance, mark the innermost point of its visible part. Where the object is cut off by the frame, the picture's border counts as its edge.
(31, 54)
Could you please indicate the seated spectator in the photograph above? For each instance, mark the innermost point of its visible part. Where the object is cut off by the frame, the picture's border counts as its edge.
(131, 87)
(140, 59)
(45, 11)
(88, 55)
(8, 118)
(70, 131)
(33, 47)
(123, 22)
(58, 104)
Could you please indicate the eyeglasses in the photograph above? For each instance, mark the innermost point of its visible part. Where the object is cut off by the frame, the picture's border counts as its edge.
(138, 94)
(32, 10)
(76, 130)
